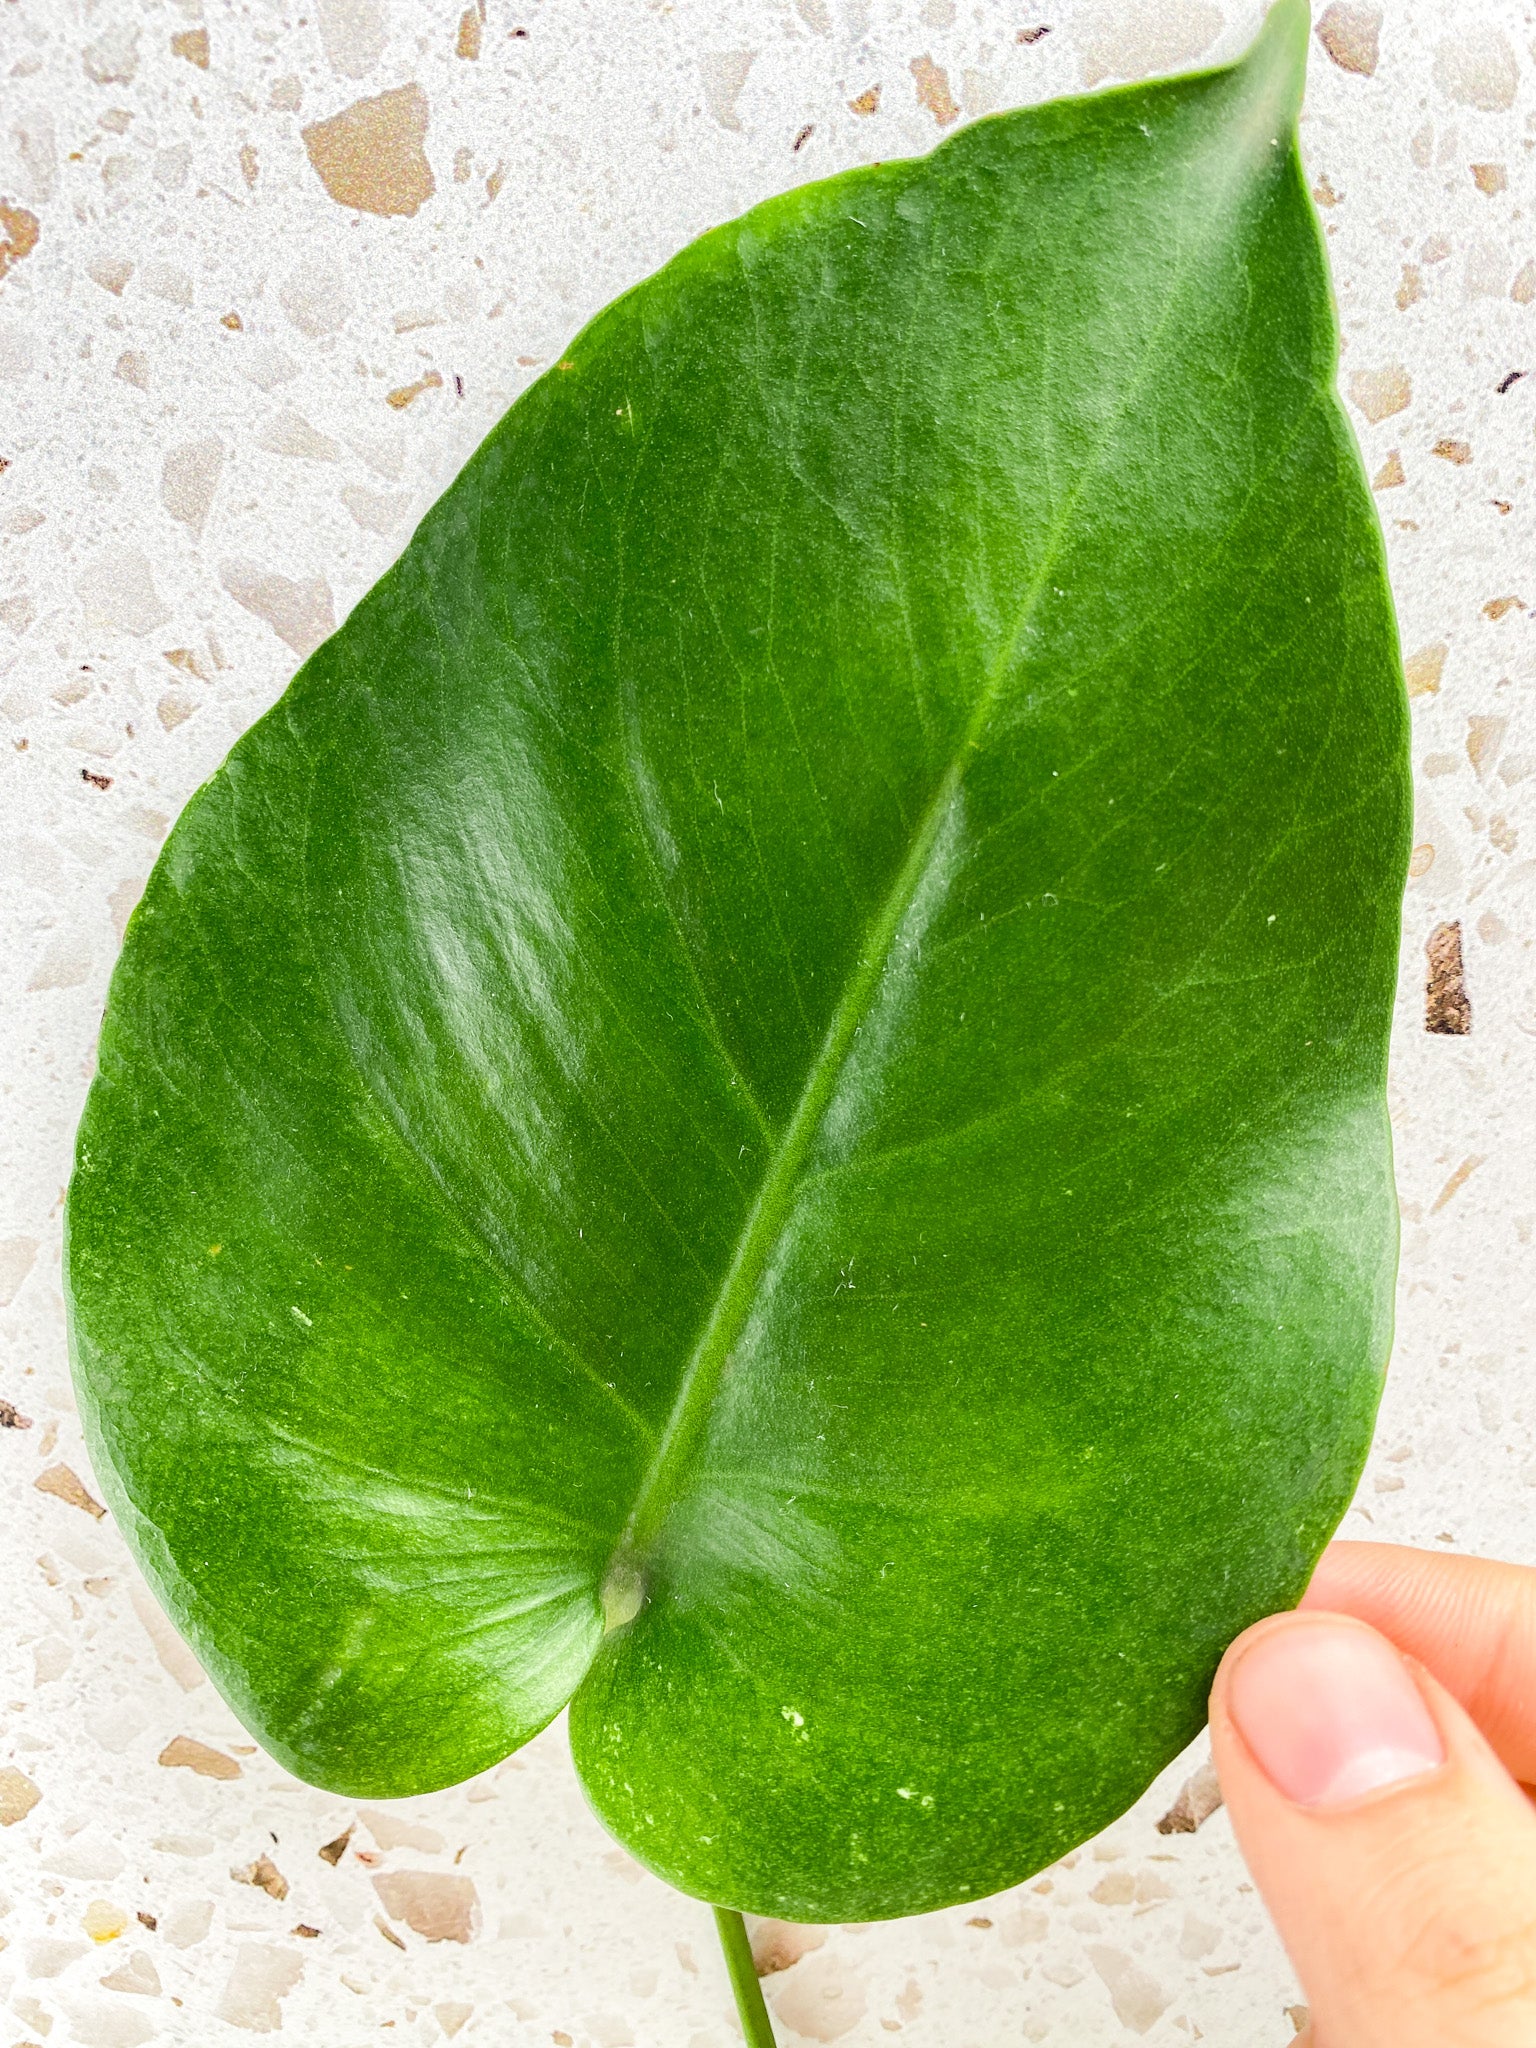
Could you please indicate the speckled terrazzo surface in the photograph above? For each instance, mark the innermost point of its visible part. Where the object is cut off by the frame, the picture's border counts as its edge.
(267, 274)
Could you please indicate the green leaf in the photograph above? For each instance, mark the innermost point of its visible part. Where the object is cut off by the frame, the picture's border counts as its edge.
(759, 1103)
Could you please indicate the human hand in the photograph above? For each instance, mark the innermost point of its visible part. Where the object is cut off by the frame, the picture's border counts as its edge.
(1375, 1751)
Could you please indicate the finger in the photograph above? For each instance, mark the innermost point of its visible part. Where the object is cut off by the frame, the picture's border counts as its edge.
(1396, 1854)
(1471, 1621)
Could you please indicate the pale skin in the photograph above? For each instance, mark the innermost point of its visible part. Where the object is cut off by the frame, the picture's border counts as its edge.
(1377, 1750)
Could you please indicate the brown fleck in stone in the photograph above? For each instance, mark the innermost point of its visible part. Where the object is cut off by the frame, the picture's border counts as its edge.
(395, 1830)
(58, 1479)
(1490, 179)
(387, 1931)
(1447, 1007)
(471, 27)
(802, 138)
(1453, 451)
(1032, 35)
(1457, 1181)
(97, 782)
(264, 1875)
(1496, 607)
(114, 57)
(1411, 289)
(1478, 68)
(111, 273)
(185, 1753)
(370, 155)
(866, 102)
(250, 167)
(436, 1906)
(191, 43)
(1421, 860)
(1350, 36)
(1380, 393)
(1300, 2017)
(494, 182)
(301, 613)
(188, 479)
(779, 1944)
(1422, 671)
(18, 234)
(18, 1796)
(138, 1975)
(233, 322)
(12, 1418)
(1324, 193)
(1523, 290)
(1196, 1802)
(332, 1852)
(933, 90)
(262, 1976)
(307, 1933)
(1390, 473)
(406, 394)
(147, 1920)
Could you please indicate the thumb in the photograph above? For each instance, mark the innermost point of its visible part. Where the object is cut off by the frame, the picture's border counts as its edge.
(1395, 1852)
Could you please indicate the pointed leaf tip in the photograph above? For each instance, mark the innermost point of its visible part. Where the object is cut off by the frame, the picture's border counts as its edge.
(1278, 53)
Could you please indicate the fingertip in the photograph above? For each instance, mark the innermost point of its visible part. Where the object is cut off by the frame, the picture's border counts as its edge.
(1239, 1647)
(1345, 1568)
(1329, 1710)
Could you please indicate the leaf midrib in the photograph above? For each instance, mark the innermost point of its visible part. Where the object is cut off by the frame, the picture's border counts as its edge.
(772, 1206)
(775, 1196)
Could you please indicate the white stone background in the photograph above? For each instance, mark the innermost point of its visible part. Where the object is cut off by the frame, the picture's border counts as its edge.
(203, 467)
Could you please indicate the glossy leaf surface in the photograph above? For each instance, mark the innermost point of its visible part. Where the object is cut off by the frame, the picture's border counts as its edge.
(759, 1103)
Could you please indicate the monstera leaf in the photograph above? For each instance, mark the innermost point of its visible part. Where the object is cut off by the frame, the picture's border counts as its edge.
(758, 1105)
